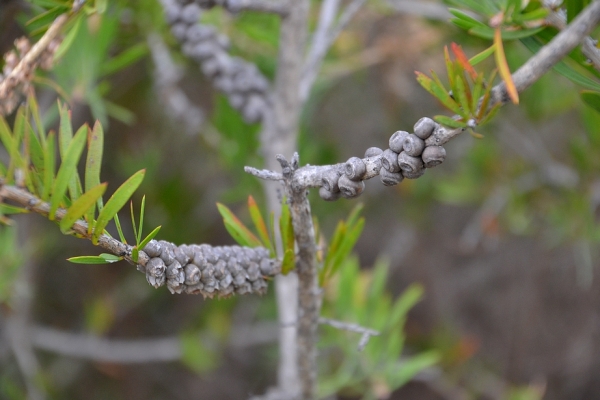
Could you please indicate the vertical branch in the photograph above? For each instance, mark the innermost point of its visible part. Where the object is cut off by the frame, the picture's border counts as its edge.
(279, 136)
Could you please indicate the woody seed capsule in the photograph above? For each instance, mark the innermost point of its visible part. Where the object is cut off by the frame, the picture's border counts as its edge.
(192, 274)
(413, 145)
(327, 195)
(373, 152)
(153, 248)
(389, 161)
(409, 164)
(433, 155)
(350, 188)
(155, 267)
(424, 127)
(397, 140)
(330, 181)
(355, 168)
(390, 178)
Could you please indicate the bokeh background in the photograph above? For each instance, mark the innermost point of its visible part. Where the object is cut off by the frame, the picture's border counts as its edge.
(503, 236)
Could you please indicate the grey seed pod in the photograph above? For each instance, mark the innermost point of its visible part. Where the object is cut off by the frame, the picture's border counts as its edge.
(224, 83)
(226, 281)
(210, 256)
(223, 41)
(210, 287)
(236, 100)
(327, 195)
(155, 267)
(389, 160)
(253, 110)
(190, 13)
(200, 51)
(253, 271)
(220, 268)
(167, 255)
(397, 140)
(207, 273)
(226, 291)
(195, 289)
(433, 155)
(199, 260)
(390, 178)
(266, 266)
(179, 30)
(181, 256)
(350, 188)
(409, 163)
(192, 274)
(172, 14)
(259, 286)
(153, 248)
(330, 181)
(373, 152)
(424, 127)
(156, 281)
(175, 288)
(141, 268)
(239, 279)
(211, 67)
(414, 175)
(173, 270)
(355, 168)
(413, 145)
(246, 287)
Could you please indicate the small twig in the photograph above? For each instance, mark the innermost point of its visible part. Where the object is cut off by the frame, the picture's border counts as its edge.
(558, 20)
(27, 200)
(366, 333)
(264, 174)
(323, 40)
(265, 6)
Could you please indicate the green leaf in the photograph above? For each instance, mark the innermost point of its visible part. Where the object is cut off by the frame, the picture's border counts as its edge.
(142, 211)
(289, 262)
(411, 296)
(69, 39)
(574, 7)
(119, 229)
(287, 228)
(488, 33)
(237, 229)
(407, 369)
(6, 209)
(123, 60)
(491, 114)
(93, 164)
(464, 20)
(49, 165)
(503, 69)
(81, 206)
(450, 122)
(103, 258)
(68, 170)
(461, 94)
(135, 233)
(442, 95)
(116, 202)
(591, 98)
(259, 223)
(477, 58)
(35, 113)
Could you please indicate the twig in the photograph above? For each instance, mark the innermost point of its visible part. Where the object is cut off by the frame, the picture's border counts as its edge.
(132, 351)
(366, 333)
(323, 40)
(320, 176)
(27, 200)
(558, 20)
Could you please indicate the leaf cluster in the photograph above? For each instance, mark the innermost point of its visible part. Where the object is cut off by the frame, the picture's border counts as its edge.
(359, 296)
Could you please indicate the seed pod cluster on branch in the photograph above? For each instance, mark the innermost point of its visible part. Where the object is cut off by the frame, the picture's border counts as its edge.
(407, 157)
(207, 270)
(16, 76)
(246, 88)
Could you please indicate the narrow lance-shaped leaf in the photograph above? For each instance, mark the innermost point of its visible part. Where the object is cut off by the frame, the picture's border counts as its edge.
(287, 228)
(9, 142)
(81, 206)
(135, 234)
(119, 229)
(450, 122)
(101, 259)
(142, 211)
(477, 89)
(479, 57)
(49, 165)
(442, 94)
(591, 98)
(237, 229)
(503, 68)
(93, 162)
(462, 94)
(148, 238)
(67, 170)
(449, 66)
(35, 113)
(259, 223)
(36, 151)
(65, 135)
(464, 61)
(346, 246)
(116, 202)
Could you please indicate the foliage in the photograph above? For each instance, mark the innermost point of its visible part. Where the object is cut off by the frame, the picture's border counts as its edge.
(359, 296)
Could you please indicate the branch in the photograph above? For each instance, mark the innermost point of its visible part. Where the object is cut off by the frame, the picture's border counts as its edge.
(190, 269)
(366, 333)
(133, 351)
(558, 19)
(323, 38)
(246, 88)
(409, 155)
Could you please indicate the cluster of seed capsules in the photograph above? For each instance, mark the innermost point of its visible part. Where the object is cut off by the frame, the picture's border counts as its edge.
(407, 157)
(246, 88)
(207, 270)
